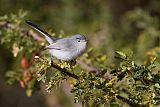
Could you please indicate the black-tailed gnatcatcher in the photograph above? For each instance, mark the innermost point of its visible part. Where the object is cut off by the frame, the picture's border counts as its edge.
(66, 48)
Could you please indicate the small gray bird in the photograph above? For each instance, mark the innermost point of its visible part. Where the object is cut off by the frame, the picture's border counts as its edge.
(65, 49)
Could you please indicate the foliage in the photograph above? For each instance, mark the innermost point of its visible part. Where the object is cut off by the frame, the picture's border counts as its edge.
(140, 30)
(93, 82)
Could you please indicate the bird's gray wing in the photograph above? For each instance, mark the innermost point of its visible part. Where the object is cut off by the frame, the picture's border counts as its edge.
(49, 38)
(61, 44)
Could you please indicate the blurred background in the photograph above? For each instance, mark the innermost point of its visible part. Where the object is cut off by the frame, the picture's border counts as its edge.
(109, 25)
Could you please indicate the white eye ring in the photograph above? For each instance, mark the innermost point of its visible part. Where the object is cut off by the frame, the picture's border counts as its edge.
(78, 41)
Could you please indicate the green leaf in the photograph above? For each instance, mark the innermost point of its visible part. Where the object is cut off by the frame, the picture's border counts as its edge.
(157, 85)
(120, 55)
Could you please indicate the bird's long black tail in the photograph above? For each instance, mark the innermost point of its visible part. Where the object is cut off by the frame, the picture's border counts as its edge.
(49, 38)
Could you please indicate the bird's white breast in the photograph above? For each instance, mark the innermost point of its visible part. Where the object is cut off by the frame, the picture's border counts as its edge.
(63, 55)
(70, 54)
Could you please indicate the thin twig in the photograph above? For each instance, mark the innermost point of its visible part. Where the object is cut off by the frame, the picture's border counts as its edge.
(87, 67)
(131, 103)
(64, 71)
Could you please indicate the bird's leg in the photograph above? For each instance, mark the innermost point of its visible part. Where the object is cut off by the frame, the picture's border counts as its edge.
(52, 58)
(71, 63)
(62, 63)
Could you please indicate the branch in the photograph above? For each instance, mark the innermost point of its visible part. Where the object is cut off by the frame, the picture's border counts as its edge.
(97, 71)
(87, 67)
(64, 71)
(131, 103)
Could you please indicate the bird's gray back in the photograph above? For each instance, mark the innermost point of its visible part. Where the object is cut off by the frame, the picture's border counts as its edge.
(65, 44)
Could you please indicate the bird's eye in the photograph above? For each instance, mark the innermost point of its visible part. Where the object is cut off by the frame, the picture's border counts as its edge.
(78, 40)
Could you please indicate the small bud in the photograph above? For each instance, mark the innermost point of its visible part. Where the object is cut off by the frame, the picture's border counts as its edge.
(128, 68)
(36, 57)
(15, 50)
